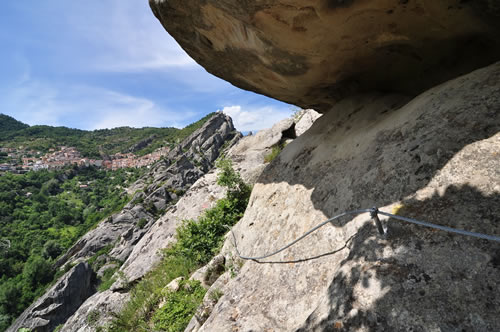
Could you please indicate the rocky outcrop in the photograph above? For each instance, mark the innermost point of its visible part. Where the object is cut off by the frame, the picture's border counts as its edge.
(304, 120)
(94, 312)
(59, 303)
(314, 53)
(163, 185)
(249, 154)
(147, 253)
(248, 157)
(142, 144)
(434, 158)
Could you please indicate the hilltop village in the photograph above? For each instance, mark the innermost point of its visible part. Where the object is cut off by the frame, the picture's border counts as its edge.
(21, 160)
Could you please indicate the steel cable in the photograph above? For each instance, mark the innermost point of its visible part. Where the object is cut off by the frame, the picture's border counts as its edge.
(300, 238)
(355, 212)
(443, 228)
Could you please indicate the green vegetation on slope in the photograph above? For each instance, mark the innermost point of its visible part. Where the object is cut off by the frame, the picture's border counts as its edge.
(275, 151)
(92, 144)
(42, 214)
(197, 242)
(9, 124)
(179, 307)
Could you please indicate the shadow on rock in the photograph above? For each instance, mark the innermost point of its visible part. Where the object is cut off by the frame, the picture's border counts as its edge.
(418, 278)
(380, 152)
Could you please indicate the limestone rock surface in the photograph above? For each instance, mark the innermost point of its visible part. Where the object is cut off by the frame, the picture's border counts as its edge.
(146, 253)
(95, 312)
(248, 155)
(248, 159)
(59, 302)
(434, 158)
(305, 120)
(313, 53)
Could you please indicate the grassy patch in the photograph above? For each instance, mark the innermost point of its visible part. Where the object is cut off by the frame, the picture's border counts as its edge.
(107, 279)
(215, 295)
(142, 222)
(93, 316)
(179, 307)
(275, 151)
(102, 251)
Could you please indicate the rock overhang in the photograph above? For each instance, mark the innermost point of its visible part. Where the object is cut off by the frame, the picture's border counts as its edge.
(314, 53)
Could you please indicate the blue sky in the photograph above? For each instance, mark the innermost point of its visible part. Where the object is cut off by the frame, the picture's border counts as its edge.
(107, 63)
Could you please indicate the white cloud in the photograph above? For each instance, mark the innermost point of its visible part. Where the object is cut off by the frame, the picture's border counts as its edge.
(248, 118)
(120, 110)
(86, 107)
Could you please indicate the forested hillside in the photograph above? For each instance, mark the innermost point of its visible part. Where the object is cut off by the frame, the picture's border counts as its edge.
(41, 215)
(9, 124)
(92, 144)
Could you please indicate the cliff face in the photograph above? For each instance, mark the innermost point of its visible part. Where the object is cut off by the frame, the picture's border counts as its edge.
(59, 302)
(314, 53)
(433, 158)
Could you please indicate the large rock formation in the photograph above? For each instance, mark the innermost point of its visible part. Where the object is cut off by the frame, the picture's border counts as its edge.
(312, 53)
(248, 156)
(434, 158)
(59, 302)
(156, 190)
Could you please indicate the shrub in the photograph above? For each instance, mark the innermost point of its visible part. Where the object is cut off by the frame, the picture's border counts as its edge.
(275, 151)
(200, 240)
(146, 295)
(52, 249)
(216, 294)
(142, 222)
(179, 307)
(107, 279)
(37, 271)
(93, 317)
(237, 189)
(103, 251)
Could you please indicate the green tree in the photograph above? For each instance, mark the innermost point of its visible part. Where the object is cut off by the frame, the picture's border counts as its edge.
(37, 272)
(52, 249)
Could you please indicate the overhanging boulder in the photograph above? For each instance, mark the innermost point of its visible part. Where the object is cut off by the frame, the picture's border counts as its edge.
(313, 53)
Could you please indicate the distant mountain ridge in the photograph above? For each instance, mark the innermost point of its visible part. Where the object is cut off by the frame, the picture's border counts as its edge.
(96, 143)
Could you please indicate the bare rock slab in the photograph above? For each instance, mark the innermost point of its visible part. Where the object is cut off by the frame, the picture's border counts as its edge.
(59, 303)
